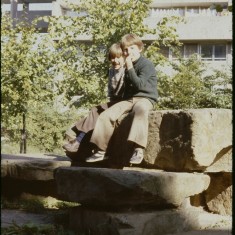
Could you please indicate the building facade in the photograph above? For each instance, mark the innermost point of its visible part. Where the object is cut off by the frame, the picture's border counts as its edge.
(207, 31)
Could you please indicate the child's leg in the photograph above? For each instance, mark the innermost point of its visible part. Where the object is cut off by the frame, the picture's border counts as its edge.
(74, 137)
(88, 123)
(105, 124)
(71, 133)
(78, 131)
(139, 128)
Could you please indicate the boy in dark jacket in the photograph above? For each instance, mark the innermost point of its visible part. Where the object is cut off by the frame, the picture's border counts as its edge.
(140, 94)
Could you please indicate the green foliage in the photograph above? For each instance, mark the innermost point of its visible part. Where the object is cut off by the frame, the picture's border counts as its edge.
(218, 8)
(189, 88)
(35, 204)
(65, 205)
(46, 127)
(25, 76)
(219, 89)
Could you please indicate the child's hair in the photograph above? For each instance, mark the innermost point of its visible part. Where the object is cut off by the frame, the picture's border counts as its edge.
(131, 39)
(115, 51)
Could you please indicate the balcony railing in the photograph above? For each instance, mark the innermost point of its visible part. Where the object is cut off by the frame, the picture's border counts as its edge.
(157, 12)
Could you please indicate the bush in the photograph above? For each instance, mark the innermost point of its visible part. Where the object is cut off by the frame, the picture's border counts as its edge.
(189, 88)
(45, 130)
(46, 127)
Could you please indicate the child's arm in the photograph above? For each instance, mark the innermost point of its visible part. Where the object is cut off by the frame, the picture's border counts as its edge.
(110, 87)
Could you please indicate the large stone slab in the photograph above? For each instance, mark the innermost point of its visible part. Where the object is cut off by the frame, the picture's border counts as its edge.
(127, 188)
(181, 140)
(163, 222)
(31, 167)
(30, 173)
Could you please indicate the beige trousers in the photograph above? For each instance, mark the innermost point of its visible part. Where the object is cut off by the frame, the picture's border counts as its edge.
(105, 124)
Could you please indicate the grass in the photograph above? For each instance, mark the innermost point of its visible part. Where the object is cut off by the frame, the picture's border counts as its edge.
(14, 148)
(8, 147)
(36, 205)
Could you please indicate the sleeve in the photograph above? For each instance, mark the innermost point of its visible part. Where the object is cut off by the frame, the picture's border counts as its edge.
(110, 87)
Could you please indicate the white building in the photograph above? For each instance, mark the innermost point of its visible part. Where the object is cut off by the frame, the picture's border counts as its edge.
(206, 32)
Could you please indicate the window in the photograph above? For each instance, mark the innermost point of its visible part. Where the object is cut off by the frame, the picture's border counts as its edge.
(213, 52)
(220, 52)
(190, 49)
(206, 51)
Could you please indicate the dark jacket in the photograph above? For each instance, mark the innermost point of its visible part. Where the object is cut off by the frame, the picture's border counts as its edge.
(141, 80)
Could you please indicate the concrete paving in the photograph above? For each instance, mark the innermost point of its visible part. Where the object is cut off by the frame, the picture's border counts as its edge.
(8, 217)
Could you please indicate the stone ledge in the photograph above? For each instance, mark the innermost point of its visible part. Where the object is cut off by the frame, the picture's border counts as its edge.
(31, 167)
(103, 187)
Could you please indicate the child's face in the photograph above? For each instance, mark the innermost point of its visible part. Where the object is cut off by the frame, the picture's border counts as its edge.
(117, 62)
(133, 51)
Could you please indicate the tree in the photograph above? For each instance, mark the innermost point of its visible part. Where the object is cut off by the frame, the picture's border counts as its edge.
(27, 76)
(31, 68)
(25, 68)
(105, 22)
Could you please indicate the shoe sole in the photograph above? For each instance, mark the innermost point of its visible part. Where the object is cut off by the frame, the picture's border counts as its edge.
(69, 150)
(96, 160)
(135, 162)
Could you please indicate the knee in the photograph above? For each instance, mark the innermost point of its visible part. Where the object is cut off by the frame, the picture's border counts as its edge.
(140, 110)
(104, 116)
(107, 117)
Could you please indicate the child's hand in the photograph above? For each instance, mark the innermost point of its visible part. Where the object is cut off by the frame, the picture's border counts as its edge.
(129, 63)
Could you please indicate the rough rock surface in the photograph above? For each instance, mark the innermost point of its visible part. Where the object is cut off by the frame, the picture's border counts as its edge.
(127, 188)
(217, 198)
(189, 140)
